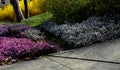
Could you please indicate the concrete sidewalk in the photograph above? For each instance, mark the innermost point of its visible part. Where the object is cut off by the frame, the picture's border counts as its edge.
(103, 56)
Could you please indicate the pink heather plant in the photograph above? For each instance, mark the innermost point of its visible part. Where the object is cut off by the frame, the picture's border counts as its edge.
(18, 43)
(18, 48)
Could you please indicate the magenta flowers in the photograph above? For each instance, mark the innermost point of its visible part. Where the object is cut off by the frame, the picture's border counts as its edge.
(18, 41)
(18, 48)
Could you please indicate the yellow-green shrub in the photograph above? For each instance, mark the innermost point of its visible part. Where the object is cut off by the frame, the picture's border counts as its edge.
(7, 12)
(34, 7)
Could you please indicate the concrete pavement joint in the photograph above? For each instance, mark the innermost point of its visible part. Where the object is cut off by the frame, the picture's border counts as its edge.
(86, 59)
(58, 63)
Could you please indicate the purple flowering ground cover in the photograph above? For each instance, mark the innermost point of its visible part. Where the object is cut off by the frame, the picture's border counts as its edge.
(14, 45)
(13, 30)
(20, 31)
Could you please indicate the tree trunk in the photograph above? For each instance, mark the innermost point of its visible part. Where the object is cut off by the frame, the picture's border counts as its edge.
(26, 9)
(18, 13)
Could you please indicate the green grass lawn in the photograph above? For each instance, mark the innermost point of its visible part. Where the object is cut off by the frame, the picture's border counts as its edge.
(36, 20)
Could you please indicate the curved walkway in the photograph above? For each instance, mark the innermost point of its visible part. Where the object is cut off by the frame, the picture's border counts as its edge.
(102, 56)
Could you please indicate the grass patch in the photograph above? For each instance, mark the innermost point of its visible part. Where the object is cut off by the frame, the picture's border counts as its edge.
(36, 20)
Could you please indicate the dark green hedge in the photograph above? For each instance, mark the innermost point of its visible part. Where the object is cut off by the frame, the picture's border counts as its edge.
(77, 10)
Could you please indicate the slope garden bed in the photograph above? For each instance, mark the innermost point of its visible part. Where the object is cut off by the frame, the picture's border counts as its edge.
(93, 30)
(18, 41)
